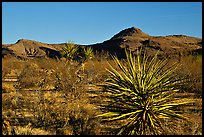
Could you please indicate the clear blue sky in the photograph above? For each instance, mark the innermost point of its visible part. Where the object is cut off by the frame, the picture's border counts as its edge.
(93, 22)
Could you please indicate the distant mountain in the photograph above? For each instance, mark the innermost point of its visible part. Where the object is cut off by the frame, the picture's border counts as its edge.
(31, 49)
(130, 38)
(134, 39)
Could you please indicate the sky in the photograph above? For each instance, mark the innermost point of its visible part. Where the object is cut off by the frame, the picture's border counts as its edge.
(95, 22)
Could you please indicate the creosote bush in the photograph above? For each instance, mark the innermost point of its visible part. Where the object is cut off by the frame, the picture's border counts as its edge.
(139, 94)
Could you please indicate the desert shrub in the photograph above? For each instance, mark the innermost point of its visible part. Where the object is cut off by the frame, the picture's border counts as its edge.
(11, 64)
(182, 127)
(94, 71)
(5, 71)
(102, 55)
(66, 109)
(62, 112)
(68, 113)
(191, 68)
(38, 74)
(6, 127)
(26, 130)
(6, 88)
(31, 76)
(11, 100)
(46, 63)
(140, 95)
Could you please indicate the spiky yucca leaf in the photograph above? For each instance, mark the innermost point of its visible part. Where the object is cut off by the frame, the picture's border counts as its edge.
(140, 93)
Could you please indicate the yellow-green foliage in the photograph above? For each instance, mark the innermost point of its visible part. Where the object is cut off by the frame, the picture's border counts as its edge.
(88, 53)
(70, 51)
(140, 95)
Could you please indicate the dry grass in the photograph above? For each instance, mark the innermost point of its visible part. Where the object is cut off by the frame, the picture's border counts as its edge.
(53, 97)
(191, 68)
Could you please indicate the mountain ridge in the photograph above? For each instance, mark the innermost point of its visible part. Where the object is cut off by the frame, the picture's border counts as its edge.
(131, 38)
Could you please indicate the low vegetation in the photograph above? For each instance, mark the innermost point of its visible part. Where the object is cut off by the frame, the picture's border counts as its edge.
(63, 97)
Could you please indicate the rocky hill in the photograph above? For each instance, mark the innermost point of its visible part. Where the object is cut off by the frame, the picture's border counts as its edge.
(130, 38)
(31, 49)
(134, 39)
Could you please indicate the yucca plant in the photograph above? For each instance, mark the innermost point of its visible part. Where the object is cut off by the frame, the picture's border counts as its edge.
(140, 94)
(70, 51)
(88, 53)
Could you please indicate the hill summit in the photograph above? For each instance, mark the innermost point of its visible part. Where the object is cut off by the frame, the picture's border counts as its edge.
(134, 39)
(133, 31)
(130, 38)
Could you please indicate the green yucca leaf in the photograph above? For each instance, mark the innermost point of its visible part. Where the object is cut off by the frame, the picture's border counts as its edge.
(108, 114)
(173, 114)
(122, 116)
